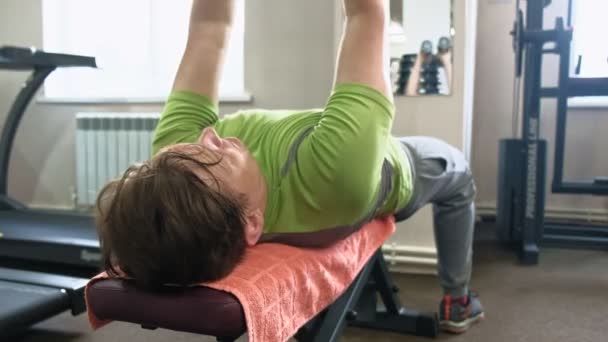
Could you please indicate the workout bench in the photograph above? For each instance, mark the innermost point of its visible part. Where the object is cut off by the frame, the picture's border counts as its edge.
(206, 311)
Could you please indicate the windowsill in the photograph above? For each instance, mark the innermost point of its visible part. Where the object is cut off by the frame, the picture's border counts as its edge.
(588, 102)
(235, 98)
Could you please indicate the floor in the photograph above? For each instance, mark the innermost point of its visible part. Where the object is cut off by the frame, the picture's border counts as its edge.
(564, 298)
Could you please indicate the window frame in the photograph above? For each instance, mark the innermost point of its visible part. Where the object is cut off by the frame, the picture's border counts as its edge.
(582, 102)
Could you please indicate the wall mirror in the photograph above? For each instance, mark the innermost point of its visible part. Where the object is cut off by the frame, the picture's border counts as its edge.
(421, 41)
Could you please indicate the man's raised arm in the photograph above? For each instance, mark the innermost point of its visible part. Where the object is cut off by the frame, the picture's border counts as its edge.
(340, 161)
(193, 103)
(363, 56)
(210, 25)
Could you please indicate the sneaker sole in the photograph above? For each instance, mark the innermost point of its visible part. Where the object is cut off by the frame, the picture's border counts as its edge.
(460, 327)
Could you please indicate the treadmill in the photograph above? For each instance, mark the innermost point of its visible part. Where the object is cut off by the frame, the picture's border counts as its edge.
(46, 257)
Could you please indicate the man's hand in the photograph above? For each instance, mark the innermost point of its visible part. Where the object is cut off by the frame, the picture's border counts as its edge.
(446, 61)
(355, 7)
(203, 59)
(212, 11)
(445, 58)
(411, 88)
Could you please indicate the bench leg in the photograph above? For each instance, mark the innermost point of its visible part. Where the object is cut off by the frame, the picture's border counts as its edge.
(394, 317)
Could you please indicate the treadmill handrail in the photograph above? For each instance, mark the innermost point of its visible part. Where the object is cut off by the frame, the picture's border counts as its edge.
(67, 283)
(19, 58)
(43, 64)
(9, 131)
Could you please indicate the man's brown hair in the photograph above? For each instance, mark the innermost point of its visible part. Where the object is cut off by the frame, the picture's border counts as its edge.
(162, 224)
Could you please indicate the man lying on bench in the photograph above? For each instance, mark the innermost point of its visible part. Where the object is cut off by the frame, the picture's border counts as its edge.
(306, 178)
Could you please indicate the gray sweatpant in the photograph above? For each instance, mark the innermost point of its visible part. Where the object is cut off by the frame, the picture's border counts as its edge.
(442, 177)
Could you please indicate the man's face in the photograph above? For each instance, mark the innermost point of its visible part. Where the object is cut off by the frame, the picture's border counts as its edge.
(237, 169)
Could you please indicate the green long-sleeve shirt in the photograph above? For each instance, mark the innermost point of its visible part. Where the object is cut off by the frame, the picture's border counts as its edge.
(322, 167)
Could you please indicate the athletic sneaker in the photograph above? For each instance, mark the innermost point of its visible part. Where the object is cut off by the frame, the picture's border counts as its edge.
(456, 315)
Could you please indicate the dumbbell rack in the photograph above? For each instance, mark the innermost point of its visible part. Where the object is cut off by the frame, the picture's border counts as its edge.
(429, 80)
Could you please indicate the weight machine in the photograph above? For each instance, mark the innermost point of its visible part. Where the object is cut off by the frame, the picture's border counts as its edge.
(522, 165)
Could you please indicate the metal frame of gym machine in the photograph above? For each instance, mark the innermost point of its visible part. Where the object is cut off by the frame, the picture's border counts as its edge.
(522, 165)
(46, 257)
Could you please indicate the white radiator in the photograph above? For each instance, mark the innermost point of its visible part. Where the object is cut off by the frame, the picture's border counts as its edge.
(106, 145)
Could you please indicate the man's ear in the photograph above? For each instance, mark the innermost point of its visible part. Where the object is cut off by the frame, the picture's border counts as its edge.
(254, 227)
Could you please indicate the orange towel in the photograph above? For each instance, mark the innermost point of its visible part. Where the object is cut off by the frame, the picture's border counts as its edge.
(282, 287)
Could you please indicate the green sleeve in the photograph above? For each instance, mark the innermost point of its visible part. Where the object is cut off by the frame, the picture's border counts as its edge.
(183, 118)
(339, 163)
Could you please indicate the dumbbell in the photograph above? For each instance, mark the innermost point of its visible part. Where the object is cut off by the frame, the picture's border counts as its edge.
(444, 45)
(427, 47)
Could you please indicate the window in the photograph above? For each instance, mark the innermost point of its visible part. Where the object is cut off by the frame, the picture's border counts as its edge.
(590, 26)
(138, 45)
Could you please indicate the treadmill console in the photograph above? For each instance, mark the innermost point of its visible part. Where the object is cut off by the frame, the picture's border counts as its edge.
(20, 58)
